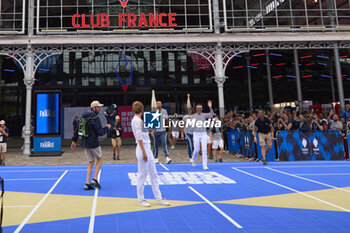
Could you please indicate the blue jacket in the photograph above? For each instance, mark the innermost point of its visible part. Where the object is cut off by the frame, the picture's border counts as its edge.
(345, 114)
(96, 130)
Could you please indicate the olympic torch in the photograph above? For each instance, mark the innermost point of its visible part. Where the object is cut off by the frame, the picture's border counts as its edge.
(188, 104)
(153, 102)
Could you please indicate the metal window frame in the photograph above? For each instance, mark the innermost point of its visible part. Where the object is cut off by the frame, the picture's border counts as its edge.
(23, 22)
(288, 28)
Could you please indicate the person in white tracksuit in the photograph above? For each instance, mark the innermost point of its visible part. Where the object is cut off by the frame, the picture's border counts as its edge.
(200, 134)
(146, 163)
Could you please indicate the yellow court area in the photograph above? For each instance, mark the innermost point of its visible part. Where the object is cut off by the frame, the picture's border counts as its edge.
(299, 201)
(60, 207)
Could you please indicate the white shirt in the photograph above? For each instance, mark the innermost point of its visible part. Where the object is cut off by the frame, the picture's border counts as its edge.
(201, 117)
(188, 129)
(163, 118)
(139, 132)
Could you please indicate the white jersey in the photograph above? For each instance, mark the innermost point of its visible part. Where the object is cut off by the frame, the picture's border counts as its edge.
(201, 117)
(189, 128)
(139, 132)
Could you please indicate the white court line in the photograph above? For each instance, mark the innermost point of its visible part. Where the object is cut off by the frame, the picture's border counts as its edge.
(112, 165)
(31, 179)
(294, 190)
(314, 181)
(94, 205)
(216, 208)
(298, 166)
(164, 166)
(45, 170)
(19, 228)
(323, 174)
(20, 206)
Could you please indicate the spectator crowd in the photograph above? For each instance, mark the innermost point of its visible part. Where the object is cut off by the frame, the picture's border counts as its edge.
(290, 119)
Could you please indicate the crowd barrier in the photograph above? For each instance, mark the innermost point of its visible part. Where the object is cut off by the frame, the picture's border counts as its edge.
(348, 140)
(242, 141)
(2, 190)
(315, 145)
(291, 145)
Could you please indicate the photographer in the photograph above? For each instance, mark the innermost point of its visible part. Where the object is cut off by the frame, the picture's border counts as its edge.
(116, 136)
(4, 133)
(92, 130)
(316, 124)
(284, 123)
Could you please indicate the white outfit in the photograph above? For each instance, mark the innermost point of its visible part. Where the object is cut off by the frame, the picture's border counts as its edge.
(175, 134)
(148, 167)
(200, 137)
(217, 144)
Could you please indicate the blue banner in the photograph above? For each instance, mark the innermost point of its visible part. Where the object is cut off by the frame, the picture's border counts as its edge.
(271, 154)
(242, 141)
(247, 143)
(47, 144)
(47, 113)
(233, 140)
(348, 138)
(318, 145)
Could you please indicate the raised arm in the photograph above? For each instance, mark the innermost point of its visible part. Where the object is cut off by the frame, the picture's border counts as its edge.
(211, 113)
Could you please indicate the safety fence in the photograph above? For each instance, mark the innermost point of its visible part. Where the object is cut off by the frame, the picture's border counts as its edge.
(2, 190)
(291, 145)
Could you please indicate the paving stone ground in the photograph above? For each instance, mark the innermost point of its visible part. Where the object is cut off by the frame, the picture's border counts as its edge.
(15, 155)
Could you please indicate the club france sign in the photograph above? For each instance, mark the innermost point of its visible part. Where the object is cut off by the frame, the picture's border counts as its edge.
(130, 20)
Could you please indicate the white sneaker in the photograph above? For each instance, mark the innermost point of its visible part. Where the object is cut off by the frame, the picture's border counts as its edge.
(163, 202)
(205, 168)
(168, 160)
(193, 163)
(172, 147)
(156, 161)
(191, 160)
(144, 203)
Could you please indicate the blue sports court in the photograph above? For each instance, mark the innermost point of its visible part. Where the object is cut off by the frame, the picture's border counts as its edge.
(230, 197)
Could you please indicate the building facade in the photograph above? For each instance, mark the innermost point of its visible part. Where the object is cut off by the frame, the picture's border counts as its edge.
(117, 51)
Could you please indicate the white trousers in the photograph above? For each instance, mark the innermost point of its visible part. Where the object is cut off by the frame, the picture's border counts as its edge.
(198, 138)
(144, 169)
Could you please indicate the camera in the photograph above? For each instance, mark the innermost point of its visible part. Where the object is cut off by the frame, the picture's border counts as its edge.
(110, 113)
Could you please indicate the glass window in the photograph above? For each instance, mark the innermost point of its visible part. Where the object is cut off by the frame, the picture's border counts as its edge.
(184, 79)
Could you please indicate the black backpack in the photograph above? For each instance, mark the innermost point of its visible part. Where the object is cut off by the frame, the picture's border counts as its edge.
(85, 126)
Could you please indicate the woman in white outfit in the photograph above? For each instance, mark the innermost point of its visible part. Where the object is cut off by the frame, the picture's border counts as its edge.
(146, 164)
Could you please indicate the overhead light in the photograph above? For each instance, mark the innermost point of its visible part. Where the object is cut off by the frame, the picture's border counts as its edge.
(276, 54)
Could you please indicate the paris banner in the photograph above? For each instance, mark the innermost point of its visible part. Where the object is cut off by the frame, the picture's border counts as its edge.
(316, 145)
